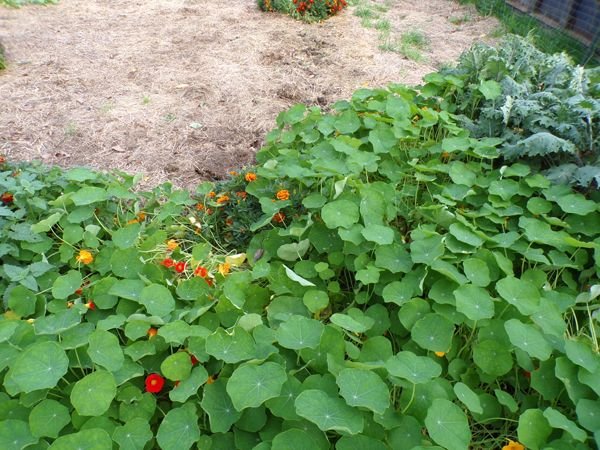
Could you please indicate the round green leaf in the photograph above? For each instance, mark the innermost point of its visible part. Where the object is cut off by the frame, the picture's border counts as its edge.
(447, 425)
(360, 443)
(15, 435)
(188, 387)
(92, 439)
(126, 263)
(364, 388)
(66, 285)
(576, 204)
(492, 357)
(528, 338)
(40, 366)
(474, 302)
(22, 301)
(177, 366)
(231, 347)
(379, 234)
(533, 429)
(433, 332)
(293, 439)
(581, 353)
(217, 404)
(105, 350)
(48, 417)
(522, 295)
(315, 300)
(416, 369)
(299, 332)
(93, 394)
(179, 429)
(467, 397)
(477, 271)
(465, 234)
(340, 213)
(588, 413)
(556, 419)
(393, 258)
(157, 299)
(133, 435)
(251, 385)
(125, 237)
(328, 413)
(427, 249)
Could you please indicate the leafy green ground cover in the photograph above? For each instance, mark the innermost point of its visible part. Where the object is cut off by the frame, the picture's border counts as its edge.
(381, 279)
(306, 10)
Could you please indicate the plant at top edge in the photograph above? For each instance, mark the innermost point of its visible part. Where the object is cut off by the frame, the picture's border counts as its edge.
(307, 10)
(544, 108)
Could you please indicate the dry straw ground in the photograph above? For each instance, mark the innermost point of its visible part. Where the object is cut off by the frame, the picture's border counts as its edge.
(187, 89)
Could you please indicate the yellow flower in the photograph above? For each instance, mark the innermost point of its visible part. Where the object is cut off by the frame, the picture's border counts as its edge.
(84, 257)
(512, 445)
(172, 244)
(440, 354)
(283, 194)
(224, 268)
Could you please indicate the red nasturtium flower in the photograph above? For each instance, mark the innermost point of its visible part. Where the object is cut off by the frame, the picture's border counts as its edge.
(201, 272)
(168, 263)
(154, 383)
(279, 217)
(79, 291)
(193, 360)
(90, 305)
(7, 198)
(283, 194)
(180, 267)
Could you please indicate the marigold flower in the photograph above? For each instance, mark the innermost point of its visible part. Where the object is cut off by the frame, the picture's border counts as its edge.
(283, 194)
(440, 354)
(223, 199)
(250, 177)
(141, 216)
(154, 383)
(199, 206)
(7, 198)
(242, 194)
(209, 211)
(233, 173)
(90, 305)
(279, 217)
(84, 257)
(151, 332)
(172, 244)
(201, 272)
(180, 267)
(229, 221)
(212, 194)
(512, 445)
(168, 263)
(224, 268)
(2, 159)
(132, 221)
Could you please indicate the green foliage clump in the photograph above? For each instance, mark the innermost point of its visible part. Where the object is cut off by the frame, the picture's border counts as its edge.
(18, 3)
(545, 109)
(306, 10)
(381, 279)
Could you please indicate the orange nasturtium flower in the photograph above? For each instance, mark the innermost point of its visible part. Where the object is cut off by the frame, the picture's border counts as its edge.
(242, 194)
(151, 332)
(223, 199)
(154, 383)
(512, 445)
(172, 244)
(250, 176)
(283, 194)
(84, 257)
(440, 354)
(224, 268)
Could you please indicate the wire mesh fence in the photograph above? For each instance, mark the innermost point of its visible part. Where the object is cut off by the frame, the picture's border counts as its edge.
(558, 25)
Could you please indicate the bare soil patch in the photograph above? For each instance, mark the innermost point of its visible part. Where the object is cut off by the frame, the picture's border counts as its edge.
(185, 90)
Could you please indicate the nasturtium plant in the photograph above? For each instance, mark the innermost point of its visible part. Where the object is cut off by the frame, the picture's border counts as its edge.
(387, 275)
